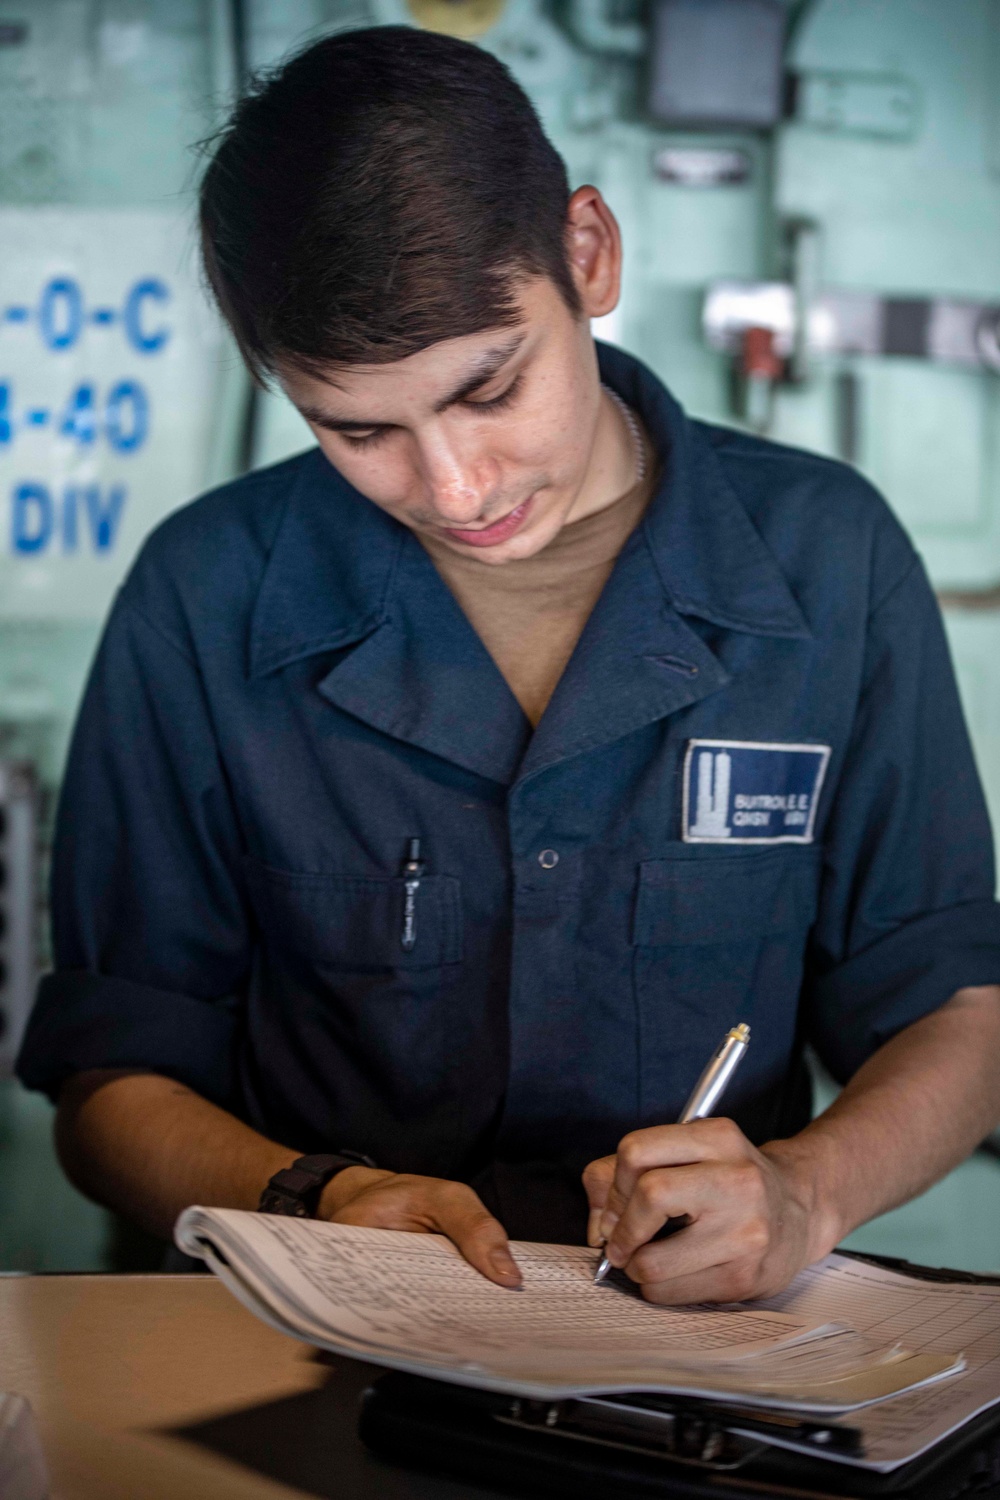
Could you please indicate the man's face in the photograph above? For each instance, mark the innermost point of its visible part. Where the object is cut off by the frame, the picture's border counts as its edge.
(484, 442)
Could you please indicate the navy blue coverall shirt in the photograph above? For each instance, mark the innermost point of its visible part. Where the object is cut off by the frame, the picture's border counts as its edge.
(751, 798)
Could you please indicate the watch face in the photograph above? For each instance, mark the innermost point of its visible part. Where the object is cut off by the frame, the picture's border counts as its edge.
(275, 1201)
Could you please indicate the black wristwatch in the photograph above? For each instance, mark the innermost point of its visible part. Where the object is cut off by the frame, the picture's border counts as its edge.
(296, 1190)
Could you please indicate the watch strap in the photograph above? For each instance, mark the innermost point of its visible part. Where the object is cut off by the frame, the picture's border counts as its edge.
(295, 1191)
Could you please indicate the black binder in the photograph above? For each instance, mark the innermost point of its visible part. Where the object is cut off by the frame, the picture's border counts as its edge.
(676, 1448)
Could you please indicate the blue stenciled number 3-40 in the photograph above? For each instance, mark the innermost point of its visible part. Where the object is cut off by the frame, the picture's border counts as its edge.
(120, 416)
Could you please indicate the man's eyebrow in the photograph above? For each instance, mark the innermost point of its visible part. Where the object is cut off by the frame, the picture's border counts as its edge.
(486, 367)
(482, 372)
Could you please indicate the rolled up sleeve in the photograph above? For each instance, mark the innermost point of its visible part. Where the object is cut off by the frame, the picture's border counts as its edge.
(150, 929)
(907, 914)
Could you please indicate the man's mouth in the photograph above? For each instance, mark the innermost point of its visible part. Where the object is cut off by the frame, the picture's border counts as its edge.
(493, 535)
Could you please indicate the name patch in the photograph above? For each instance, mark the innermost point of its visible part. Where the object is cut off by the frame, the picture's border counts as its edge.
(745, 792)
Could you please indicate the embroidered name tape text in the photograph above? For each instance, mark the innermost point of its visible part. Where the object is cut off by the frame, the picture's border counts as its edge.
(747, 792)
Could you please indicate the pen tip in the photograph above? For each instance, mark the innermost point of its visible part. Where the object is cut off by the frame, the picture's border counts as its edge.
(740, 1033)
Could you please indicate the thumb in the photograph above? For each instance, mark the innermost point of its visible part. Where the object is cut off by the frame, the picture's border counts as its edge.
(597, 1179)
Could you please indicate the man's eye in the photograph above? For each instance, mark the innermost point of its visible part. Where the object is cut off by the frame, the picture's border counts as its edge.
(497, 403)
(365, 439)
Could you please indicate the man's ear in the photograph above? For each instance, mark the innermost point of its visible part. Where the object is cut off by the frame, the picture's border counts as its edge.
(594, 246)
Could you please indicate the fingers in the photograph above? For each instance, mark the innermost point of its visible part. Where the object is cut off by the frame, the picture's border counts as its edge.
(723, 1255)
(726, 1283)
(709, 1271)
(747, 1231)
(658, 1196)
(436, 1206)
(479, 1237)
(715, 1240)
(668, 1146)
(728, 1194)
(597, 1180)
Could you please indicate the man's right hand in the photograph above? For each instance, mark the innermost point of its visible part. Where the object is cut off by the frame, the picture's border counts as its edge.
(424, 1205)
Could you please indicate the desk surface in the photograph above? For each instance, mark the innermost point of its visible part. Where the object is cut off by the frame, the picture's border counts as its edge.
(164, 1386)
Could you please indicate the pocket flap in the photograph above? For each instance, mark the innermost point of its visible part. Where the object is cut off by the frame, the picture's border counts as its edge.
(356, 922)
(725, 898)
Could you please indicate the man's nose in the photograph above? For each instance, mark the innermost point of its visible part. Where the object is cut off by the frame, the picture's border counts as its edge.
(458, 485)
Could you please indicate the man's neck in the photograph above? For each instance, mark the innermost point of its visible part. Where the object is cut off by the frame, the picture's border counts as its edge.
(614, 464)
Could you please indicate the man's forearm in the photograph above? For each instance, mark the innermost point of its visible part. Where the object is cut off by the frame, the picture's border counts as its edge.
(910, 1114)
(149, 1147)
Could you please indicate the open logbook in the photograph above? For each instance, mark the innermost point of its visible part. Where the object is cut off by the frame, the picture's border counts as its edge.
(411, 1302)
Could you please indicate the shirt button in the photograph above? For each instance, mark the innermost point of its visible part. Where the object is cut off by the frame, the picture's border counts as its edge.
(548, 859)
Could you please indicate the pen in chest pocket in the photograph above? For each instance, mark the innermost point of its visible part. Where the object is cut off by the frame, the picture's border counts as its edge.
(412, 872)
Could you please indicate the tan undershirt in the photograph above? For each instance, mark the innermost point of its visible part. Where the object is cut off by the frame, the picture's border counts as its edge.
(529, 613)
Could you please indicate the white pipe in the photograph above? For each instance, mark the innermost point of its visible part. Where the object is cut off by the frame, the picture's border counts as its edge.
(222, 53)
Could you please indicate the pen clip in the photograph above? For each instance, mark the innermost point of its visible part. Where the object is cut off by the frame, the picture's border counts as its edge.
(411, 872)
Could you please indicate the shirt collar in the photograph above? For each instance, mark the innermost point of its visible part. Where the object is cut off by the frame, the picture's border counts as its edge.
(711, 559)
(330, 572)
(330, 576)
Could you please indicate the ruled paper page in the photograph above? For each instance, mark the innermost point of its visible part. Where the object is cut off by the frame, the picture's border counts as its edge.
(410, 1300)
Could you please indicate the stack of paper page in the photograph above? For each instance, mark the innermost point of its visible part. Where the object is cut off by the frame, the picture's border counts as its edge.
(931, 1317)
(409, 1301)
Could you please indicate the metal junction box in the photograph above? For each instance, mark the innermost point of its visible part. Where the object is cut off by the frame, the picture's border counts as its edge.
(717, 63)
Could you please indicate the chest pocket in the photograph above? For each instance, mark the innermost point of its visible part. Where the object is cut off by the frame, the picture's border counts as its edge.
(355, 923)
(725, 898)
(719, 939)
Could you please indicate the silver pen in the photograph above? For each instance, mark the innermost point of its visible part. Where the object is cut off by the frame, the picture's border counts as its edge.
(706, 1093)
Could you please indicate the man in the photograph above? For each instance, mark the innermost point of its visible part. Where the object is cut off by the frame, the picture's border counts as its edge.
(441, 796)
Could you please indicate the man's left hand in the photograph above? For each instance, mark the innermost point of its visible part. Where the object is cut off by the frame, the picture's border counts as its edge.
(751, 1226)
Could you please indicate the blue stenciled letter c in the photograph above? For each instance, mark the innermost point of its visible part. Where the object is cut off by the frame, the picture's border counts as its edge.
(145, 340)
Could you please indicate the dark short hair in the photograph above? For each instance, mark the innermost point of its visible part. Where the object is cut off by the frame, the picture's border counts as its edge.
(379, 192)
